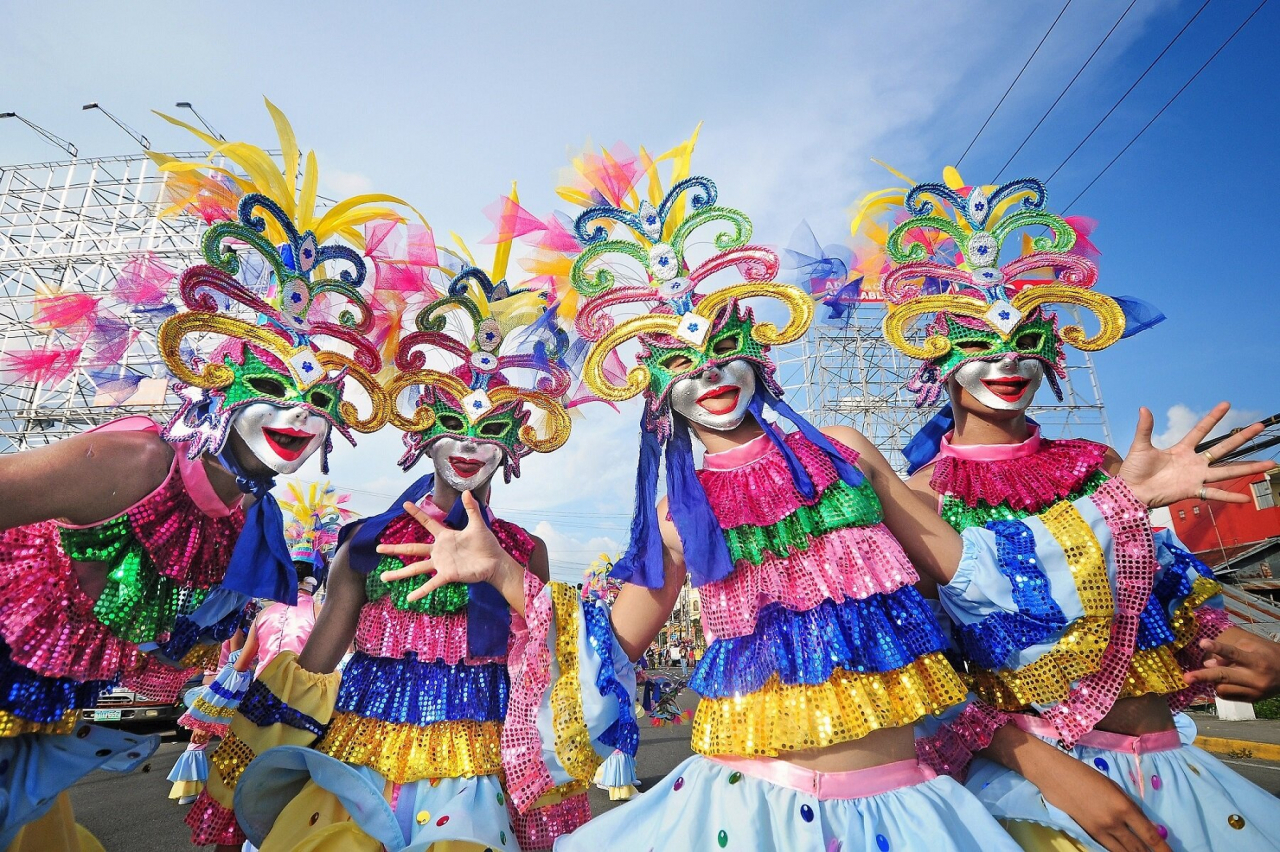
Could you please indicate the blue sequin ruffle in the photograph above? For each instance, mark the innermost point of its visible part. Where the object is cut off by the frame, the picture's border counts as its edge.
(623, 734)
(878, 633)
(36, 698)
(417, 693)
(261, 707)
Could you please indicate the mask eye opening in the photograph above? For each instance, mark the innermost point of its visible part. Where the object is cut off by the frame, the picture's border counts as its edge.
(1029, 341)
(728, 344)
(451, 423)
(677, 363)
(494, 428)
(267, 385)
(320, 399)
(973, 347)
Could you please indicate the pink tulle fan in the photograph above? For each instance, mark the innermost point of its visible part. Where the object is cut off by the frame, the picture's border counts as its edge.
(510, 220)
(49, 366)
(144, 282)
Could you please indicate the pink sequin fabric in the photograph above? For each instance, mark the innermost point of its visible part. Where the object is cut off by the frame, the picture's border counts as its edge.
(539, 828)
(1210, 622)
(853, 562)
(529, 665)
(385, 631)
(45, 619)
(761, 491)
(1028, 483)
(951, 749)
(1095, 694)
(153, 679)
(211, 823)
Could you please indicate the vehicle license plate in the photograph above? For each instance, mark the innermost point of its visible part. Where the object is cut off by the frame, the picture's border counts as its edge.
(106, 715)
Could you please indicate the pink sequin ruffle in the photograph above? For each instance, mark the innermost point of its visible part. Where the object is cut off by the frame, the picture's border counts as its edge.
(1095, 694)
(1029, 483)
(951, 749)
(761, 492)
(46, 619)
(385, 631)
(211, 823)
(852, 562)
(529, 665)
(538, 829)
(153, 679)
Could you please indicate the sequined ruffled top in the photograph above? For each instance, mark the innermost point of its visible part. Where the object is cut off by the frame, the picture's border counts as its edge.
(818, 635)
(1069, 630)
(60, 647)
(413, 702)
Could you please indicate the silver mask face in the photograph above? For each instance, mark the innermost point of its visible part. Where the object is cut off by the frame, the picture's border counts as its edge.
(280, 438)
(1008, 384)
(464, 465)
(716, 398)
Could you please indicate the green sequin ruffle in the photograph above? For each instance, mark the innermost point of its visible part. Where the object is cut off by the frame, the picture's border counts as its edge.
(840, 506)
(449, 598)
(962, 517)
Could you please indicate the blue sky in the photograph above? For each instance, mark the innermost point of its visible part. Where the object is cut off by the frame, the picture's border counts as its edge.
(445, 105)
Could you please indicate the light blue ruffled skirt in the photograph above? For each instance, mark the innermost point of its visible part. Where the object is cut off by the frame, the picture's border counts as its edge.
(703, 804)
(1199, 801)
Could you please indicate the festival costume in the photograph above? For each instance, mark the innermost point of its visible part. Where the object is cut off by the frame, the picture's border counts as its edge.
(405, 748)
(1056, 641)
(818, 636)
(180, 564)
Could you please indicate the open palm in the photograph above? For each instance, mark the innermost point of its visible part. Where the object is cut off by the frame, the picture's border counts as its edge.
(470, 555)
(1160, 477)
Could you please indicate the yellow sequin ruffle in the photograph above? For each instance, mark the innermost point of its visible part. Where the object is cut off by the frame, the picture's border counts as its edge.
(405, 753)
(203, 657)
(848, 706)
(14, 726)
(1153, 671)
(572, 739)
(230, 758)
(203, 706)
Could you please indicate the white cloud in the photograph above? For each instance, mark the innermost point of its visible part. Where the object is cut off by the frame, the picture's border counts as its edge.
(1180, 418)
(341, 184)
(569, 554)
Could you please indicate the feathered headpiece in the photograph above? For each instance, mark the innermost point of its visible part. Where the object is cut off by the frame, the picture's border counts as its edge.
(945, 267)
(501, 333)
(312, 520)
(651, 238)
(304, 299)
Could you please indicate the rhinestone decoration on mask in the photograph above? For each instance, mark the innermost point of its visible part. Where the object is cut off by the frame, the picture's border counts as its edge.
(944, 265)
(478, 399)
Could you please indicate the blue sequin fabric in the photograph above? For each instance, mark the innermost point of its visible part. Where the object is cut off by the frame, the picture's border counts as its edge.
(879, 633)
(623, 734)
(408, 691)
(261, 707)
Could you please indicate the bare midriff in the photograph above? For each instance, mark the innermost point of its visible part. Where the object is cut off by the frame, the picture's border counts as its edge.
(1146, 714)
(888, 745)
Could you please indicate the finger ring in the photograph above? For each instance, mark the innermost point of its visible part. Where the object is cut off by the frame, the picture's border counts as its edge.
(1203, 491)
(1208, 456)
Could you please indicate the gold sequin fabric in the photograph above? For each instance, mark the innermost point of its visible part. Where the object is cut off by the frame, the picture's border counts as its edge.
(217, 712)
(230, 758)
(13, 726)
(850, 705)
(572, 739)
(404, 753)
(203, 657)
(1152, 671)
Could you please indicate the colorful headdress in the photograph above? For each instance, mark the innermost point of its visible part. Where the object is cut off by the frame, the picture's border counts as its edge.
(497, 335)
(312, 520)
(598, 582)
(651, 238)
(296, 295)
(946, 268)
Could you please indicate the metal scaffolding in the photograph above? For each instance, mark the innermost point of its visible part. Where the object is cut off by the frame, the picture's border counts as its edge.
(845, 373)
(70, 228)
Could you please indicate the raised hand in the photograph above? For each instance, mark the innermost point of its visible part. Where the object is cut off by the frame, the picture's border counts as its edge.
(1240, 665)
(471, 555)
(1160, 477)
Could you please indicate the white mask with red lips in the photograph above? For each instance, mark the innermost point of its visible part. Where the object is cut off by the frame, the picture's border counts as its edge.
(717, 397)
(1008, 384)
(279, 437)
(464, 465)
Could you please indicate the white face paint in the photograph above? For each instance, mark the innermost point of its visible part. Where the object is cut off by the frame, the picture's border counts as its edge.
(1005, 385)
(716, 398)
(280, 438)
(465, 465)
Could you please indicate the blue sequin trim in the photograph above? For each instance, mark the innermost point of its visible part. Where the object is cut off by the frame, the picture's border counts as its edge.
(409, 691)
(992, 642)
(876, 634)
(221, 691)
(623, 734)
(36, 698)
(1173, 586)
(261, 707)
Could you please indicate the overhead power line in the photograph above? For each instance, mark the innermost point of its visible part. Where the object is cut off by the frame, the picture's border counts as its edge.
(1063, 93)
(1011, 85)
(1168, 103)
(1141, 77)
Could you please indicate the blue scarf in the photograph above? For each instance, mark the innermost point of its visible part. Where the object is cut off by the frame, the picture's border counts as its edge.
(260, 564)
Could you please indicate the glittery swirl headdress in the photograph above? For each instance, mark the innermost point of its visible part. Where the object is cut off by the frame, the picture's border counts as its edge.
(651, 236)
(654, 235)
(301, 307)
(312, 519)
(946, 269)
(477, 396)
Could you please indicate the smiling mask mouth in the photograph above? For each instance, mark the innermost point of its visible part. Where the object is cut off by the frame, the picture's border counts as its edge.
(289, 444)
(1009, 389)
(720, 400)
(466, 467)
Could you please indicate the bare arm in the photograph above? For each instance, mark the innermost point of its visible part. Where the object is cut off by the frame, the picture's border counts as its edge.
(638, 612)
(83, 479)
(933, 547)
(920, 485)
(244, 662)
(337, 622)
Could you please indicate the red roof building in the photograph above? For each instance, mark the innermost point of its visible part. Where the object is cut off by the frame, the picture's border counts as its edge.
(1220, 532)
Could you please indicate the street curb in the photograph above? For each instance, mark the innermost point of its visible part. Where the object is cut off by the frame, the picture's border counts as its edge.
(1239, 748)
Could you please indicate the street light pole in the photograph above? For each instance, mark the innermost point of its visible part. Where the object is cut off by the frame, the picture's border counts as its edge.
(51, 138)
(136, 136)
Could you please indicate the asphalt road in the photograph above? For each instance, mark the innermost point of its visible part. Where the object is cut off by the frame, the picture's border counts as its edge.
(132, 812)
